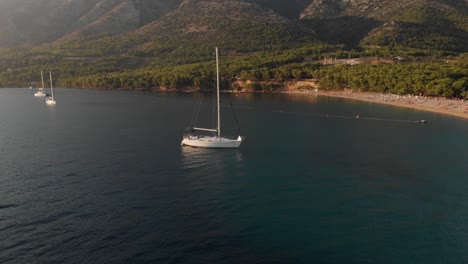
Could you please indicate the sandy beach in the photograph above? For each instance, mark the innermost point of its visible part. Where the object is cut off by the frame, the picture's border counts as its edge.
(454, 107)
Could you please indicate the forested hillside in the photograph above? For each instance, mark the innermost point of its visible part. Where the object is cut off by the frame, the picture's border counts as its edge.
(162, 44)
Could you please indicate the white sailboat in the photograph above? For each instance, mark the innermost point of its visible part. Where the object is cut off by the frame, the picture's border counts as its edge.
(191, 139)
(50, 100)
(40, 92)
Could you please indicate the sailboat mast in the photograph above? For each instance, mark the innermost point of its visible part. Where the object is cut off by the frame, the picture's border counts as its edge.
(42, 79)
(51, 88)
(217, 94)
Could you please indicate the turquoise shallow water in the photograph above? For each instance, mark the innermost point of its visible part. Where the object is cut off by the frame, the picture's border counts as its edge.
(102, 178)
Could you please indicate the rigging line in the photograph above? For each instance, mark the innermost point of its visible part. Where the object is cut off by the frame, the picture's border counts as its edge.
(193, 118)
(353, 117)
(196, 112)
(234, 113)
(374, 119)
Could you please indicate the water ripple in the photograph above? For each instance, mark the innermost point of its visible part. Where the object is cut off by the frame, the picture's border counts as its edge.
(8, 206)
(99, 184)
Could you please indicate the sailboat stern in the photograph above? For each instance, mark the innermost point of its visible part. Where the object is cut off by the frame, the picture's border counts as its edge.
(50, 101)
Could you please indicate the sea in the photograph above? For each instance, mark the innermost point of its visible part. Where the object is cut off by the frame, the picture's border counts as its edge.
(101, 177)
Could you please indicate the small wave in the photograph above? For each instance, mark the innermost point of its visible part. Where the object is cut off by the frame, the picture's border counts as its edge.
(46, 220)
(8, 206)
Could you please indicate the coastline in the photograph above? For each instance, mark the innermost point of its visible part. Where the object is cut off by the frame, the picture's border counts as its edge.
(453, 107)
(440, 105)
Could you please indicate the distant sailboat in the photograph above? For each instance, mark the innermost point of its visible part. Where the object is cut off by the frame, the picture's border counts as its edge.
(50, 100)
(216, 141)
(40, 92)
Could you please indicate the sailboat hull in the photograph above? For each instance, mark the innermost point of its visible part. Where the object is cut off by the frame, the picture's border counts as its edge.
(40, 94)
(50, 101)
(211, 142)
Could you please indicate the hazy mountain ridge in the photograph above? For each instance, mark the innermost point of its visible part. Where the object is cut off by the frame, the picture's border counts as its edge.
(194, 28)
(433, 24)
(383, 10)
(122, 17)
(26, 22)
(32, 22)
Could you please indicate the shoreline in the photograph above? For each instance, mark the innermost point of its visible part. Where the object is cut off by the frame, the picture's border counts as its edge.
(440, 105)
(452, 107)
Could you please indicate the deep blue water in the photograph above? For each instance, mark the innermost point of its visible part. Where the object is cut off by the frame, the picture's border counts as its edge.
(102, 178)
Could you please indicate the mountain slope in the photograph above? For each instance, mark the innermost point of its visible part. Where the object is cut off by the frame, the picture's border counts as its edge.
(27, 22)
(430, 24)
(31, 22)
(350, 22)
(383, 10)
(424, 27)
(117, 17)
(228, 23)
(288, 8)
(89, 39)
(193, 29)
